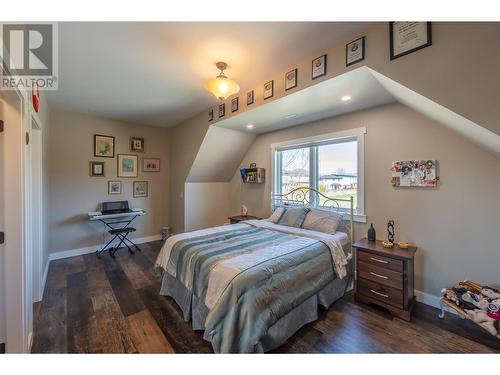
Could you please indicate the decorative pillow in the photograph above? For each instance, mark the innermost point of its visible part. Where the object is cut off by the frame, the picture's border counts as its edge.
(293, 217)
(276, 214)
(322, 221)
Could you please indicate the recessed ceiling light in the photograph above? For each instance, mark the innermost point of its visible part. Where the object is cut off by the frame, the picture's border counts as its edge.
(291, 115)
(345, 98)
(250, 126)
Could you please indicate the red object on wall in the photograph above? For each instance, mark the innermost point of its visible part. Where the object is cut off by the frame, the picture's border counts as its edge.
(35, 95)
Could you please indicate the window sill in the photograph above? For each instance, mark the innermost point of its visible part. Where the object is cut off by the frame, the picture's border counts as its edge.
(359, 218)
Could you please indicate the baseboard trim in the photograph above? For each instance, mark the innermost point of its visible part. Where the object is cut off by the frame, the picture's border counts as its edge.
(44, 279)
(431, 300)
(93, 249)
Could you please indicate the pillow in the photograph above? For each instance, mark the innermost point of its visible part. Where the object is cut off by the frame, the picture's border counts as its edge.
(293, 217)
(276, 214)
(322, 221)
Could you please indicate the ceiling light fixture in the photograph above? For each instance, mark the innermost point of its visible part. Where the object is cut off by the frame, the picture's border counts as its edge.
(221, 86)
(345, 98)
(291, 116)
(250, 126)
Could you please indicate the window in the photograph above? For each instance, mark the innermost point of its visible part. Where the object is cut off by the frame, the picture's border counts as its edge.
(331, 163)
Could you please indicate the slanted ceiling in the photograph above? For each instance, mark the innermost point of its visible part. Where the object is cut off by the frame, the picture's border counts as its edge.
(226, 143)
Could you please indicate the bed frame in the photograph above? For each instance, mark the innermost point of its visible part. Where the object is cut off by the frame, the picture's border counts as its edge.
(307, 197)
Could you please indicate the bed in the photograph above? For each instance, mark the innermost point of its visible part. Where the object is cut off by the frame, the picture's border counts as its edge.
(250, 286)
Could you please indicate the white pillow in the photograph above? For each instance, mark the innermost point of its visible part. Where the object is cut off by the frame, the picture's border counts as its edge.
(276, 215)
(322, 221)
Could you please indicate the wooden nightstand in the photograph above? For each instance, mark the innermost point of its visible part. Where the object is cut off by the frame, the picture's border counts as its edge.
(385, 277)
(237, 219)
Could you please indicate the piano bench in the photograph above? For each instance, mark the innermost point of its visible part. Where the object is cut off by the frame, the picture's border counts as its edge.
(121, 230)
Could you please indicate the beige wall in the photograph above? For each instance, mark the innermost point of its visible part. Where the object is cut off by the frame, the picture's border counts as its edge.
(73, 193)
(455, 225)
(207, 205)
(456, 72)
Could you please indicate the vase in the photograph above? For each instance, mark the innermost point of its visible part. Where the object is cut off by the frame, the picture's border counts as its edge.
(371, 233)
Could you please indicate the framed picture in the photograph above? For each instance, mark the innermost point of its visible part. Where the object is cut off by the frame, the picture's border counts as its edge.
(136, 144)
(210, 115)
(140, 189)
(234, 104)
(222, 110)
(104, 146)
(318, 67)
(127, 165)
(250, 97)
(291, 79)
(150, 165)
(114, 187)
(268, 90)
(408, 37)
(96, 168)
(355, 51)
(414, 173)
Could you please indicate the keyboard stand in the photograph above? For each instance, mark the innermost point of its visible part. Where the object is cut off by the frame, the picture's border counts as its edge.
(120, 235)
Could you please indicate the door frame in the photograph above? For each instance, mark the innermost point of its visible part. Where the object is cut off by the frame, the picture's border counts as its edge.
(18, 242)
(35, 195)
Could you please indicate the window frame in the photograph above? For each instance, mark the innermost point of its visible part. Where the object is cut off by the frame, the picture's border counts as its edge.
(313, 142)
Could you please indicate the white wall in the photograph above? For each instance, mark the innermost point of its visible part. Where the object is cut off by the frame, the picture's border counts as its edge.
(207, 205)
(455, 225)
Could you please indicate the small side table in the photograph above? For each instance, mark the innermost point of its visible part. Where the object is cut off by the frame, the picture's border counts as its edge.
(237, 219)
(385, 277)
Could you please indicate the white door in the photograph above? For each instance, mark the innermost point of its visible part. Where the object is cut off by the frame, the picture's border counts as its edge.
(15, 277)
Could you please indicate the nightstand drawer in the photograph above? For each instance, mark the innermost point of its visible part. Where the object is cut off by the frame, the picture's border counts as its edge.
(381, 275)
(381, 261)
(380, 292)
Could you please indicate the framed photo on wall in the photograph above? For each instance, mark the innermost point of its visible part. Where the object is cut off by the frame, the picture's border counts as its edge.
(355, 51)
(318, 68)
(104, 146)
(222, 110)
(140, 189)
(127, 165)
(268, 90)
(97, 169)
(408, 37)
(150, 165)
(291, 79)
(136, 144)
(250, 97)
(114, 187)
(234, 104)
(210, 115)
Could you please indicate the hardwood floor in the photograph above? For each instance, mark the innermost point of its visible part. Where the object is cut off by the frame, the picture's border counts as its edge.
(110, 305)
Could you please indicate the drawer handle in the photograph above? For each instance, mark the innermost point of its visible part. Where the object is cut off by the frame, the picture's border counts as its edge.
(379, 294)
(379, 260)
(381, 276)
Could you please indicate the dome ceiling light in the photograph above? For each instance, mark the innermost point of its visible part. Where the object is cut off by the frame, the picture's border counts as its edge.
(221, 86)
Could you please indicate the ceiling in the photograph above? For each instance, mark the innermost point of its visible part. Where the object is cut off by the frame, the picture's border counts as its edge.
(153, 73)
(314, 103)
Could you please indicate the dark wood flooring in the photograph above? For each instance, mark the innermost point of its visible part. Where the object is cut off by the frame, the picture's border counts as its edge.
(110, 305)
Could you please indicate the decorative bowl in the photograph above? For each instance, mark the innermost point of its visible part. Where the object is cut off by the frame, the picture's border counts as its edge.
(387, 244)
(403, 245)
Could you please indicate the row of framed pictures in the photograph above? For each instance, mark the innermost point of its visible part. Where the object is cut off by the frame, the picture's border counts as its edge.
(104, 145)
(354, 54)
(140, 189)
(405, 38)
(127, 166)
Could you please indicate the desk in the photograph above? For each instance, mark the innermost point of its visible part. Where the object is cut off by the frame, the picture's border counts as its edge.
(114, 222)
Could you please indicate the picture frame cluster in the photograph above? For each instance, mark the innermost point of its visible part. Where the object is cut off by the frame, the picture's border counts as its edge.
(127, 164)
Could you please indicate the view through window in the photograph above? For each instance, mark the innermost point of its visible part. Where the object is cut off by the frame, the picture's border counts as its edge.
(329, 167)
